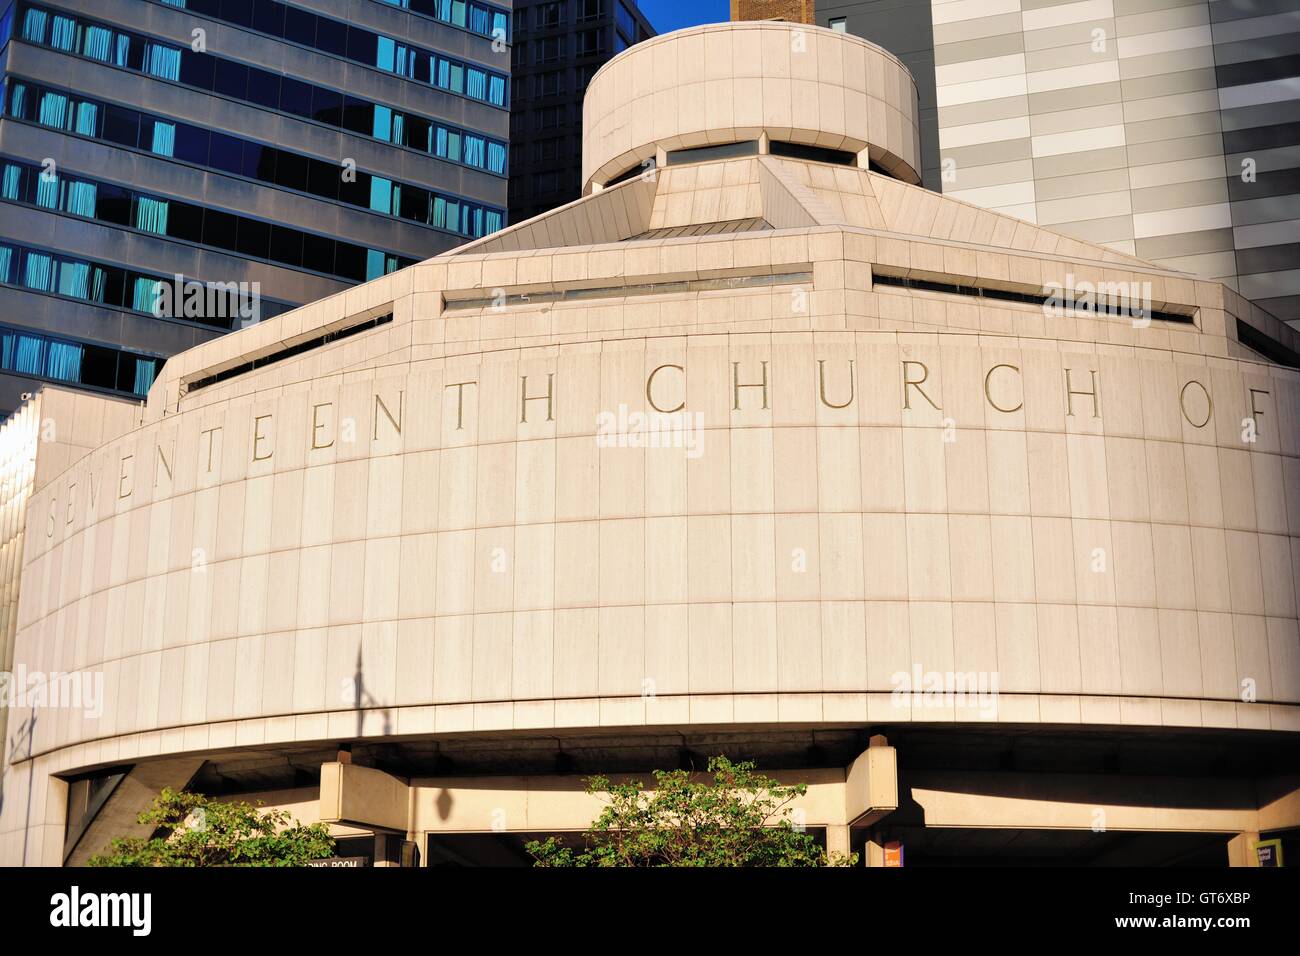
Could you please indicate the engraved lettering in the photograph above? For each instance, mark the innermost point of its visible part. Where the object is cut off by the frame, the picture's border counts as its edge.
(124, 482)
(909, 382)
(737, 385)
(988, 392)
(163, 464)
(395, 422)
(525, 398)
(1070, 392)
(1209, 404)
(649, 384)
(210, 433)
(460, 402)
(821, 386)
(317, 425)
(1255, 410)
(258, 438)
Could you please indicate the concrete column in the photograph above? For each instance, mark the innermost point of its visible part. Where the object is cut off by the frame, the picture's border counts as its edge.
(388, 850)
(363, 797)
(837, 839)
(874, 852)
(871, 784)
(1240, 852)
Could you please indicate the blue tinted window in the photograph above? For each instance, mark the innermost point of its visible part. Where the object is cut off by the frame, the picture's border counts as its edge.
(295, 97)
(36, 25)
(414, 203)
(151, 215)
(358, 115)
(254, 238)
(230, 79)
(225, 153)
(237, 11)
(331, 36)
(290, 170)
(38, 270)
(185, 221)
(161, 216)
(350, 261)
(323, 179)
(23, 352)
(265, 91)
(191, 142)
(63, 361)
(198, 69)
(272, 91)
(220, 229)
(122, 126)
(381, 194)
(372, 49)
(162, 61)
(300, 26)
(286, 247)
(269, 18)
(363, 46)
(326, 106)
(481, 18)
(318, 253)
(114, 205)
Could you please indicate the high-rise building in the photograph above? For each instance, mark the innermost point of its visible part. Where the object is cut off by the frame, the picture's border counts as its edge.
(903, 27)
(791, 11)
(1166, 129)
(558, 47)
(172, 169)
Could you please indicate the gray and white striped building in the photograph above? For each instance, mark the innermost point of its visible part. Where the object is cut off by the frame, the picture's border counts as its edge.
(1166, 129)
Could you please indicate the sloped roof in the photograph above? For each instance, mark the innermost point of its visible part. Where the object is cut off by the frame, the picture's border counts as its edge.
(739, 195)
(752, 224)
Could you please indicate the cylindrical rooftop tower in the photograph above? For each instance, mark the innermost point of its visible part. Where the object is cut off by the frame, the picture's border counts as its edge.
(750, 88)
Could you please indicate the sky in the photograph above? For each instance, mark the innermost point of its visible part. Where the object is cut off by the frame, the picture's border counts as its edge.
(669, 15)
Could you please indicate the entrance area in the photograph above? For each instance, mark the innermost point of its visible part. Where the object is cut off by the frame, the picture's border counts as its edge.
(972, 846)
(506, 848)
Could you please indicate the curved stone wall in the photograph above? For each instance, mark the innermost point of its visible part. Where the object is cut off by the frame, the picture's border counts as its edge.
(733, 82)
(482, 542)
(761, 442)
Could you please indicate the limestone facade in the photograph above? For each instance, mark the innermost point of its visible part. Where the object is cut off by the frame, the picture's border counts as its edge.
(429, 505)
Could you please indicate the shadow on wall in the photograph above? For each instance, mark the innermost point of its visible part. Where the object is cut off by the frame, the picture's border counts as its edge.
(361, 699)
(25, 733)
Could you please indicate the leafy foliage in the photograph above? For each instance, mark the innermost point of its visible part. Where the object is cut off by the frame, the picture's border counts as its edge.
(739, 818)
(196, 830)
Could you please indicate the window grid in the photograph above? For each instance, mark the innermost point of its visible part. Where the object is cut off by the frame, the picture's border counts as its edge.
(56, 359)
(99, 283)
(357, 44)
(134, 129)
(258, 87)
(480, 18)
(107, 203)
